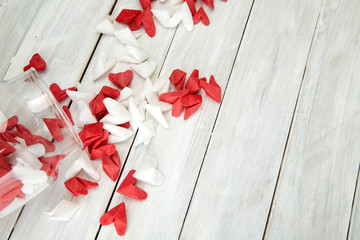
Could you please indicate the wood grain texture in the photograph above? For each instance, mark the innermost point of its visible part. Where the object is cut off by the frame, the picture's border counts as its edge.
(181, 148)
(93, 205)
(318, 177)
(15, 18)
(66, 46)
(236, 184)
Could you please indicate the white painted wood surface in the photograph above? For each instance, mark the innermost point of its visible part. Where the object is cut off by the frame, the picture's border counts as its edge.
(236, 184)
(237, 180)
(318, 176)
(353, 230)
(15, 18)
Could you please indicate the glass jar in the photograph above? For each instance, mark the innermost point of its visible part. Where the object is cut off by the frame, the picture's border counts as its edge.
(35, 136)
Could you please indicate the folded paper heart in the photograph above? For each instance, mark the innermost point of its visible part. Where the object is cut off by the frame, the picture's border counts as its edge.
(118, 134)
(85, 96)
(4, 166)
(210, 3)
(157, 114)
(116, 109)
(36, 62)
(121, 79)
(146, 132)
(5, 148)
(51, 165)
(182, 14)
(191, 5)
(126, 16)
(101, 66)
(161, 85)
(31, 139)
(149, 173)
(212, 89)
(177, 78)
(9, 190)
(111, 165)
(145, 69)
(63, 211)
(97, 105)
(201, 15)
(193, 82)
(137, 18)
(125, 36)
(116, 215)
(78, 186)
(137, 116)
(191, 102)
(106, 26)
(84, 114)
(82, 162)
(91, 133)
(60, 94)
(128, 188)
(55, 125)
(125, 94)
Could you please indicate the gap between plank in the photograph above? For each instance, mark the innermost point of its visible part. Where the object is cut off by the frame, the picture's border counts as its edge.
(217, 115)
(353, 202)
(132, 143)
(22, 39)
(292, 120)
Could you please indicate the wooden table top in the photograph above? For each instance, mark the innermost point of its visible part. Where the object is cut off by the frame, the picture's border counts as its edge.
(277, 159)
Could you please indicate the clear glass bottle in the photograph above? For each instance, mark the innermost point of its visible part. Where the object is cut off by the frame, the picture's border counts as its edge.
(29, 153)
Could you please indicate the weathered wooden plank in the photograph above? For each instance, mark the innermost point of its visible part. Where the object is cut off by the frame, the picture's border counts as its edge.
(317, 181)
(93, 205)
(180, 149)
(233, 194)
(15, 18)
(66, 42)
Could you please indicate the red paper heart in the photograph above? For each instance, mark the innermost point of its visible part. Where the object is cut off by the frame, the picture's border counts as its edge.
(111, 165)
(10, 136)
(212, 89)
(68, 114)
(191, 103)
(136, 23)
(55, 125)
(193, 82)
(191, 5)
(31, 139)
(178, 78)
(59, 93)
(5, 148)
(210, 3)
(201, 15)
(8, 192)
(78, 186)
(90, 133)
(126, 16)
(177, 108)
(4, 166)
(103, 140)
(12, 122)
(148, 23)
(102, 150)
(97, 106)
(51, 165)
(116, 215)
(128, 188)
(36, 62)
(121, 79)
(171, 97)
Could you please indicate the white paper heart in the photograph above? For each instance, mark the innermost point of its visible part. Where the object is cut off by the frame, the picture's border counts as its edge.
(145, 69)
(105, 26)
(63, 211)
(136, 115)
(115, 108)
(126, 36)
(121, 133)
(145, 133)
(101, 66)
(82, 162)
(157, 114)
(84, 114)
